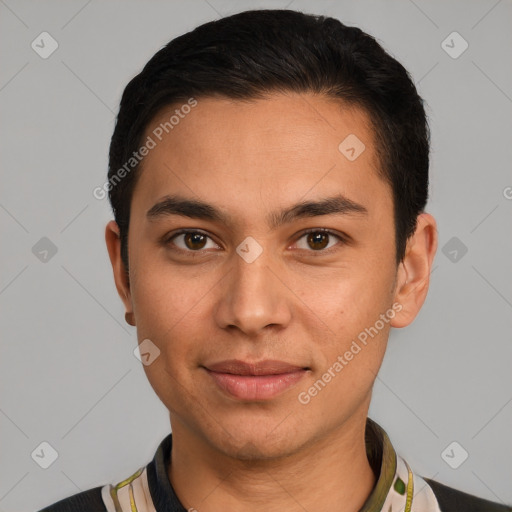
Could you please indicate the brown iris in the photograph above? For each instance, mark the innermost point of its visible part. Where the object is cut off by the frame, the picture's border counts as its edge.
(318, 240)
(195, 240)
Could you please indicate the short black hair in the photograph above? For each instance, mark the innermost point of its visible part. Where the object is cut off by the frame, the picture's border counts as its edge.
(254, 53)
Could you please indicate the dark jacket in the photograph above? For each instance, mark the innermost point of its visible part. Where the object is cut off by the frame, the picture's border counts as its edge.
(450, 500)
(381, 456)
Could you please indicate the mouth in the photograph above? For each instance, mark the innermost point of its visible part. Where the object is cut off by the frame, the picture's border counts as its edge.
(255, 381)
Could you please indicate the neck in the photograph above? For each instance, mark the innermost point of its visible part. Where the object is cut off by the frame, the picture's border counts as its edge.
(330, 471)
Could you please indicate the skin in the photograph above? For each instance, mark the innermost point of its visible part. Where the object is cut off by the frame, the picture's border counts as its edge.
(293, 303)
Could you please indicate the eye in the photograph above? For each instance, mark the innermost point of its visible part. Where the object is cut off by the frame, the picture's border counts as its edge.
(313, 240)
(190, 241)
(318, 240)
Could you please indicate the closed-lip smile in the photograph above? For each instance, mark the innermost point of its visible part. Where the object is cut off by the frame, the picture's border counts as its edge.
(254, 381)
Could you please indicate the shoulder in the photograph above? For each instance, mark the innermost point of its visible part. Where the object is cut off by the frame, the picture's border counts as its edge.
(86, 501)
(453, 500)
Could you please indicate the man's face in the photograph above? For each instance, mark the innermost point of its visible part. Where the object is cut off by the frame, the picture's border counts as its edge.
(303, 300)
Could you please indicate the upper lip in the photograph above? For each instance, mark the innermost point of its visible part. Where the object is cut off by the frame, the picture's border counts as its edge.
(266, 367)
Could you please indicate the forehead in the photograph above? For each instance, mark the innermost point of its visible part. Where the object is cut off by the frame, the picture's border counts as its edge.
(244, 155)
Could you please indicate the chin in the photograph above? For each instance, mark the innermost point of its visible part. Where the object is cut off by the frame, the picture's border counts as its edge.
(253, 449)
(260, 442)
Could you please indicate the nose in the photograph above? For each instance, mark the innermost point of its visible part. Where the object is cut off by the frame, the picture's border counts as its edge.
(254, 296)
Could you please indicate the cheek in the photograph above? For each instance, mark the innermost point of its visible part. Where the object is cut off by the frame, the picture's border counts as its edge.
(353, 296)
(173, 308)
(351, 306)
(167, 297)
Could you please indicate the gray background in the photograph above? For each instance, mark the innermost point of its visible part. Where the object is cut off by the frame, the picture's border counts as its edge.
(68, 373)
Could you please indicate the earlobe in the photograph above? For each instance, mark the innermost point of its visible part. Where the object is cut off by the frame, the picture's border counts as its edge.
(129, 318)
(113, 241)
(414, 272)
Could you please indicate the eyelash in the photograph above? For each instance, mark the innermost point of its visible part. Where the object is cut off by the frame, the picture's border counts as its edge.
(343, 239)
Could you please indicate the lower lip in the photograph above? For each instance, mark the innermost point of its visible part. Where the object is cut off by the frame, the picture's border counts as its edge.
(251, 387)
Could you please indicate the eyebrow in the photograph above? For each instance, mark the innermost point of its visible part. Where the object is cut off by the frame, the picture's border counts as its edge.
(195, 209)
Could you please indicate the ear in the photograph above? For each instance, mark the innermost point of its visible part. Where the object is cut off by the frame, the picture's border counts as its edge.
(113, 241)
(413, 275)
